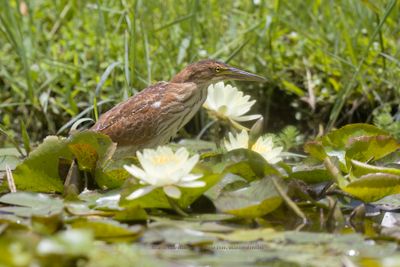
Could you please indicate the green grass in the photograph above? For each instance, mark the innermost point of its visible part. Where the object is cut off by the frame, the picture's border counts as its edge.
(65, 60)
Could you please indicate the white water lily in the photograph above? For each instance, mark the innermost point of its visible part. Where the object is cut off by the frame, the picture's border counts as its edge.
(227, 102)
(162, 168)
(263, 146)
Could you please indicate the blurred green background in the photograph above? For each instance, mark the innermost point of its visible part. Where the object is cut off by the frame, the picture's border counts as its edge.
(328, 63)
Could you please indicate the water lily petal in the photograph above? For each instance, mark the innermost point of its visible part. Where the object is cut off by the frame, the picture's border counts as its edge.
(191, 177)
(138, 173)
(140, 192)
(248, 117)
(193, 184)
(172, 191)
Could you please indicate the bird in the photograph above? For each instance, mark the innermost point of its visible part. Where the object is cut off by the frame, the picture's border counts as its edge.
(154, 115)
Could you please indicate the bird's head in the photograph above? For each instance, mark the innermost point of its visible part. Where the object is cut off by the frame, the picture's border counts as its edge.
(208, 71)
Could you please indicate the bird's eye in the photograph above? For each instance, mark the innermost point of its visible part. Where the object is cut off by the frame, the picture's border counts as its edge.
(217, 69)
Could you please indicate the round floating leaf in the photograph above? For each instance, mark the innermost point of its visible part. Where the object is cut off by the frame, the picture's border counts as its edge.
(256, 200)
(8, 159)
(340, 138)
(39, 172)
(374, 186)
(85, 154)
(27, 204)
(108, 230)
(248, 164)
(67, 243)
(360, 168)
(189, 195)
(91, 149)
(315, 149)
(312, 176)
(112, 175)
(365, 148)
(154, 199)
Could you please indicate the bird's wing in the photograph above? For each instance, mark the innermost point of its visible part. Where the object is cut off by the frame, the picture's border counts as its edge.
(136, 120)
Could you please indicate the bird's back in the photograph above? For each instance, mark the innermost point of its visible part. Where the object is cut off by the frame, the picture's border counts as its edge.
(153, 116)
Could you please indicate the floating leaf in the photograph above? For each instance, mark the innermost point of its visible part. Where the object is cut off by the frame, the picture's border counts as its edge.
(154, 199)
(85, 154)
(365, 148)
(108, 230)
(91, 148)
(340, 138)
(176, 234)
(189, 195)
(315, 149)
(9, 157)
(248, 164)
(39, 172)
(28, 204)
(251, 235)
(131, 214)
(391, 202)
(312, 175)
(113, 175)
(256, 200)
(374, 186)
(71, 243)
(361, 168)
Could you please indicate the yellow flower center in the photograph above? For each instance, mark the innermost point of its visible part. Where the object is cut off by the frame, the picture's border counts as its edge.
(259, 149)
(162, 159)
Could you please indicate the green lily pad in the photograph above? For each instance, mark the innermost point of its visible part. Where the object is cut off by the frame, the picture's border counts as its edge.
(315, 149)
(256, 200)
(339, 139)
(311, 175)
(71, 243)
(26, 204)
(91, 149)
(8, 160)
(39, 172)
(248, 164)
(247, 235)
(108, 230)
(365, 148)
(360, 168)
(112, 174)
(374, 186)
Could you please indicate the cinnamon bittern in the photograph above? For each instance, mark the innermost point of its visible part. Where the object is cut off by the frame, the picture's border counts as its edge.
(151, 117)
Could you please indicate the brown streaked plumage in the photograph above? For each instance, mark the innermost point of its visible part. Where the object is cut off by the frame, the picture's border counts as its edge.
(151, 117)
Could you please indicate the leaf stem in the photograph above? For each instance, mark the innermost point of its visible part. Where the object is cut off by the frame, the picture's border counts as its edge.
(176, 207)
(289, 202)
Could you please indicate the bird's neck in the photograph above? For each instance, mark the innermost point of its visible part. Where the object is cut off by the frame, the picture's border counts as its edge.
(185, 76)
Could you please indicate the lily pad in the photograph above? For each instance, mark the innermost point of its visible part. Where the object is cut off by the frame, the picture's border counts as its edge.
(39, 172)
(315, 149)
(91, 149)
(256, 200)
(339, 139)
(361, 168)
(311, 175)
(374, 186)
(112, 174)
(27, 204)
(71, 243)
(108, 230)
(248, 164)
(365, 148)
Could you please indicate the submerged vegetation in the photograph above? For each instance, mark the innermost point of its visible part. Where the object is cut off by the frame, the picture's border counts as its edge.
(300, 171)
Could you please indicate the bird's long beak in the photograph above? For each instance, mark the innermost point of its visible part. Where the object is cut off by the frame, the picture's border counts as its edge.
(241, 75)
